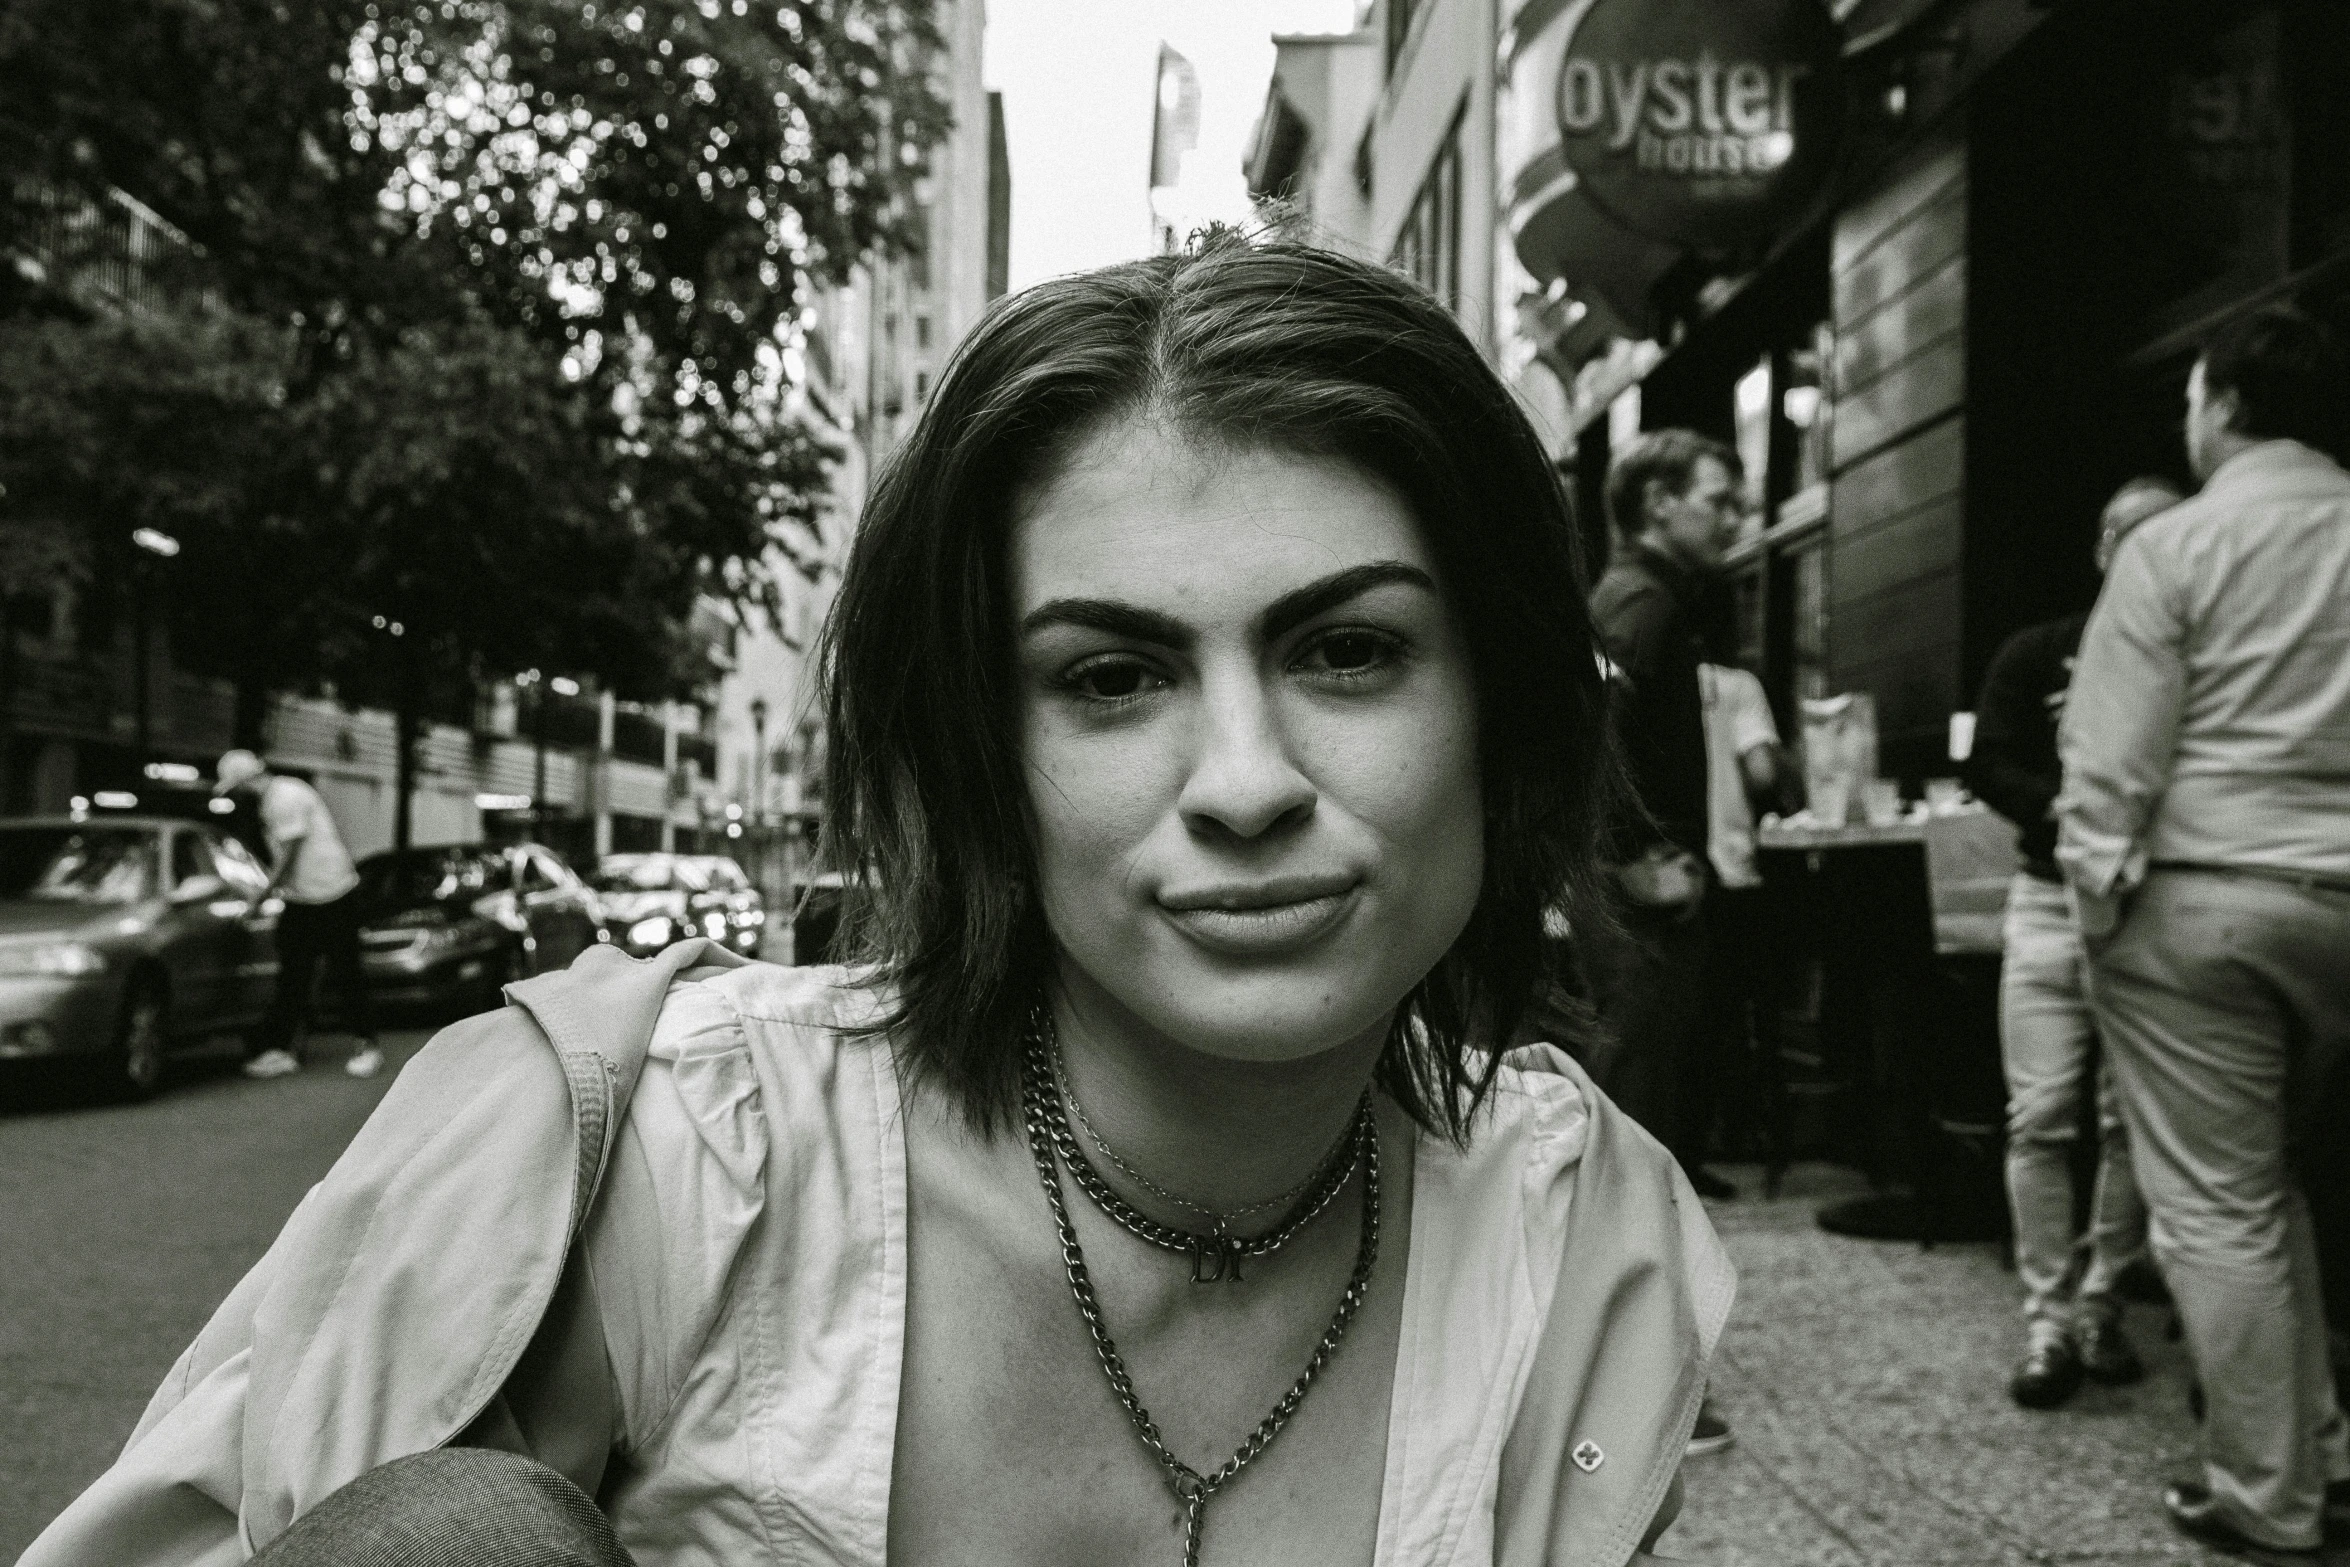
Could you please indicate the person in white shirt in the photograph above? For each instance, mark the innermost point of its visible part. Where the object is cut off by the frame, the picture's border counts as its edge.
(312, 872)
(1742, 769)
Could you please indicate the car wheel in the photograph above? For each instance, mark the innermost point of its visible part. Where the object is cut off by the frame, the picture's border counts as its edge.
(140, 1039)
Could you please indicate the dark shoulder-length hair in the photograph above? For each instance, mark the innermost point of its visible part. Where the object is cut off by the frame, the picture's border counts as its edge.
(1252, 345)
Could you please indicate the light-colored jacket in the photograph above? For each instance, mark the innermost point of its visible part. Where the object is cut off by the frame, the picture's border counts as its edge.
(394, 1312)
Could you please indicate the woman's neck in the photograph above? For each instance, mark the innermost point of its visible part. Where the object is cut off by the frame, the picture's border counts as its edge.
(1221, 1133)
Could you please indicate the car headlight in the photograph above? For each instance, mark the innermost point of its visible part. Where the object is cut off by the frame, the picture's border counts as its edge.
(55, 959)
(441, 938)
(654, 932)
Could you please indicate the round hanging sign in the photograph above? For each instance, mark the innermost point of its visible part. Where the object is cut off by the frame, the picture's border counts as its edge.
(1702, 123)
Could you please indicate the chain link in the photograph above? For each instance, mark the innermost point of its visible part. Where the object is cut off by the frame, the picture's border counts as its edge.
(1048, 1134)
(1216, 1255)
(1222, 1221)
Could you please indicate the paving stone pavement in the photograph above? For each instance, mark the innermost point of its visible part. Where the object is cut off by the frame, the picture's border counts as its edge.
(1866, 1382)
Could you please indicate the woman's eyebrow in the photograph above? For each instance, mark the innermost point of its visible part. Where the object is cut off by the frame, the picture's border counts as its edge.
(1300, 605)
(1114, 616)
(1291, 609)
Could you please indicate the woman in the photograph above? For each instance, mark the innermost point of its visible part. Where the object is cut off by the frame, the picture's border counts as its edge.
(1212, 717)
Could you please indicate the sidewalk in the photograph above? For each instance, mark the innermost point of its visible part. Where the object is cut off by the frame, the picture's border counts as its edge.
(1866, 1381)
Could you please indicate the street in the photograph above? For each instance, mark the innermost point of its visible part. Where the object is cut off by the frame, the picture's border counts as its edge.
(124, 1226)
(1864, 1379)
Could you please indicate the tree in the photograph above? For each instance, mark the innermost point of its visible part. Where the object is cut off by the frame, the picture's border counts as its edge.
(514, 275)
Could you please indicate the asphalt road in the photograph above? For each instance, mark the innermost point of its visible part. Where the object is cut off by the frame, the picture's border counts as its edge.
(121, 1226)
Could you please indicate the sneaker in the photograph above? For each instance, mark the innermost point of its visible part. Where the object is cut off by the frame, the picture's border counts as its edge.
(2049, 1373)
(1712, 1433)
(2106, 1354)
(368, 1060)
(272, 1063)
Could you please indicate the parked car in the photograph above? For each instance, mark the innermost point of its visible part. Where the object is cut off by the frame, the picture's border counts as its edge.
(448, 927)
(656, 900)
(732, 891)
(125, 938)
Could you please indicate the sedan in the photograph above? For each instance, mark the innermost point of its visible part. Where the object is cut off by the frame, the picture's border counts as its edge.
(449, 927)
(656, 900)
(125, 938)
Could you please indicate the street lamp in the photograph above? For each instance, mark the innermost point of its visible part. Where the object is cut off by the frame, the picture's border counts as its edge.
(155, 543)
(758, 760)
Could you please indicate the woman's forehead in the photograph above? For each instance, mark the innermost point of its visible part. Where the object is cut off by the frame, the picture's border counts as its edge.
(1139, 514)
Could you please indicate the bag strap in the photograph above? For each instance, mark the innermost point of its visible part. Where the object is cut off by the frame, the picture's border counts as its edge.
(561, 1405)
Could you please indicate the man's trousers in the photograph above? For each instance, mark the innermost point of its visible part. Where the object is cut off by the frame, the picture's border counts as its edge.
(2048, 1047)
(2223, 1000)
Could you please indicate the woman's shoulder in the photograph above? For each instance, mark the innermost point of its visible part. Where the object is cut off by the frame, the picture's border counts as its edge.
(743, 1047)
(832, 997)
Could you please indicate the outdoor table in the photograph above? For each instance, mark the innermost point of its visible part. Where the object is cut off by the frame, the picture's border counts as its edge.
(1891, 931)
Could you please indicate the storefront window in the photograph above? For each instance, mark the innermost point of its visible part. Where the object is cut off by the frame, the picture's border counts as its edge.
(1807, 569)
(1750, 411)
(1803, 403)
(2214, 172)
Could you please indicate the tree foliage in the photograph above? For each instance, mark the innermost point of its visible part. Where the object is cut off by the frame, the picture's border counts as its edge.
(480, 313)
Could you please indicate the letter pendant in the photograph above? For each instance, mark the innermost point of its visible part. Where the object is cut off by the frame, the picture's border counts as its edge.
(1216, 1257)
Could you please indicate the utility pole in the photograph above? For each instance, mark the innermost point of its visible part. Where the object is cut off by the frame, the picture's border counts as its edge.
(155, 545)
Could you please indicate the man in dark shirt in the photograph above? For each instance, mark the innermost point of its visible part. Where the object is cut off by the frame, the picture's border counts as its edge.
(1674, 497)
(2048, 1040)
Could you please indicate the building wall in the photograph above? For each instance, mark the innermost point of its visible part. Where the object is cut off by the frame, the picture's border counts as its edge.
(1898, 285)
(1445, 69)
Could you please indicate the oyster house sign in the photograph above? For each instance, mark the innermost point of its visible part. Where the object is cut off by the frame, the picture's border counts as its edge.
(1703, 123)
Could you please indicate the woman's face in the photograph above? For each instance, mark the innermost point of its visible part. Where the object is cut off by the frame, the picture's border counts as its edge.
(1249, 726)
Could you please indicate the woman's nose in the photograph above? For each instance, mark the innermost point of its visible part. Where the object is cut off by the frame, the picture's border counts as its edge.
(1243, 780)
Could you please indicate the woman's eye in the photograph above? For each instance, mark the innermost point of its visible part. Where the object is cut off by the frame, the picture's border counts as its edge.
(1110, 680)
(1350, 653)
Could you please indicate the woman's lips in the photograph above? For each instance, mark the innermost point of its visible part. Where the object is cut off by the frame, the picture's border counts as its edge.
(1266, 930)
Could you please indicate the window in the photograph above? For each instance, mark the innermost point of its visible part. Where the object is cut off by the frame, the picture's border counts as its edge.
(922, 331)
(238, 868)
(921, 386)
(191, 857)
(1429, 246)
(535, 875)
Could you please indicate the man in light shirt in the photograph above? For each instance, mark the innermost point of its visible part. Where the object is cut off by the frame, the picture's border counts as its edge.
(2204, 829)
(311, 871)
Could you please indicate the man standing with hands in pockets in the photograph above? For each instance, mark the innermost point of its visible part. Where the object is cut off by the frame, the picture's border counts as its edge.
(2204, 829)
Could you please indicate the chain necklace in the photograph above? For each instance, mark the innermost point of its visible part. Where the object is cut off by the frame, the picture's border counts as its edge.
(1048, 1133)
(1219, 1243)
(1216, 1254)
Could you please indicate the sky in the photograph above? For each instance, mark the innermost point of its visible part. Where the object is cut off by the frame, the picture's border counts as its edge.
(1078, 78)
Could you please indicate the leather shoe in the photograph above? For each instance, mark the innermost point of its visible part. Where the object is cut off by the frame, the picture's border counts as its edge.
(2106, 1355)
(2195, 1513)
(2049, 1373)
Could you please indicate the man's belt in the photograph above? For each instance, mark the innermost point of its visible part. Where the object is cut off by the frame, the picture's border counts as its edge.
(2307, 881)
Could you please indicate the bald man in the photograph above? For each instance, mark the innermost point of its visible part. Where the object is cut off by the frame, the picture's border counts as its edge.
(2047, 1038)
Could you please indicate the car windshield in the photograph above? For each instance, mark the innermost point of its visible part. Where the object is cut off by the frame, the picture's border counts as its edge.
(77, 864)
(725, 873)
(429, 876)
(645, 873)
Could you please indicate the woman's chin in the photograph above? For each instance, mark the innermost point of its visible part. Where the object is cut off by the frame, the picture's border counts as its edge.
(1266, 1023)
